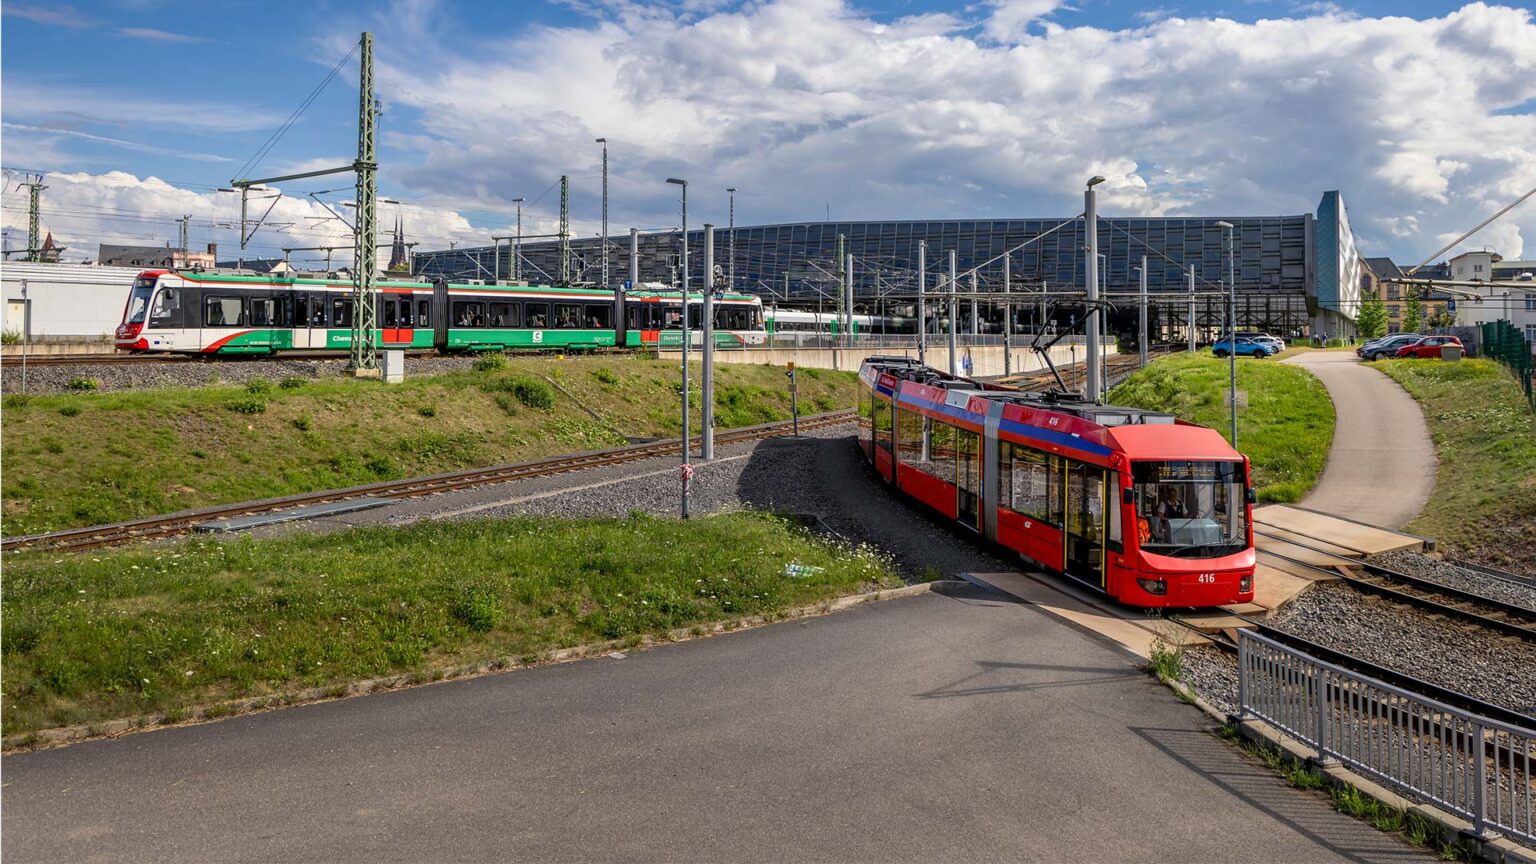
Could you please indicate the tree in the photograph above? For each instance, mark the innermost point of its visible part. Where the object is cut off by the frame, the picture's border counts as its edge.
(1413, 312)
(1372, 322)
(1441, 318)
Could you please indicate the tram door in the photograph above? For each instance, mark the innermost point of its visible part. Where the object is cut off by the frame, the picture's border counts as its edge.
(968, 477)
(1085, 522)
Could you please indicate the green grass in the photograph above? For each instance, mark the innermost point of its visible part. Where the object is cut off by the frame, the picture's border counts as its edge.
(1484, 502)
(1285, 430)
(90, 457)
(96, 636)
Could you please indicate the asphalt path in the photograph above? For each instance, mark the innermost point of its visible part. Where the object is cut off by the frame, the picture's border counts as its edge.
(932, 728)
(1381, 466)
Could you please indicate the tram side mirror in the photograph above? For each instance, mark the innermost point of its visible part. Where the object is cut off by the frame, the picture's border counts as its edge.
(1128, 496)
(1253, 497)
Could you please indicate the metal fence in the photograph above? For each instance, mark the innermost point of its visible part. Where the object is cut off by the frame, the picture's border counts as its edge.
(1503, 342)
(1475, 767)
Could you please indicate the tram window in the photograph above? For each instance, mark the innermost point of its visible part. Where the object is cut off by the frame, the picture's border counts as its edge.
(672, 318)
(261, 311)
(501, 315)
(1032, 484)
(909, 436)
(1115, 506)
(301, 310)
(423, 313)
(468, 314)
(341, 312)
(883, 422)
(389, 312)
(223, 312)
(537, 315)
(599, 317)
(866, 411)
(695, 316)
(734, 316)
(164, 308)
(407, 320)
(967, 447)
(317, 311)
(567, 316)
(941, 451)
(635, 317)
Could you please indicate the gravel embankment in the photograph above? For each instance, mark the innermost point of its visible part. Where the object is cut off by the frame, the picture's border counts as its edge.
(199, 373)
(1473, 661)
(819, 474)
(1465, 578)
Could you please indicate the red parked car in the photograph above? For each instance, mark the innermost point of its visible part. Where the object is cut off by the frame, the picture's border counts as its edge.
(1429, 347)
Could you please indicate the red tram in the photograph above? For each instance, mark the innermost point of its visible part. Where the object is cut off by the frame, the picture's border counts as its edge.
(1150, 509)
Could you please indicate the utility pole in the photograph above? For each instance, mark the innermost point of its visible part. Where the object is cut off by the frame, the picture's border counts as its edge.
(1007, 315)
(1191, 329)
(975, 307)
(1091, 324)
(634, 278)
(954, 282)
(842, 287)
(730, 265)
(365, 348)
(186, 224)
(517, 244)
(922, 302)
(35, 189)
(687, 338)
(707, 420)
(1141, 336)
(848, 296)
(1231, 330)
(565, 231)
(604, 142)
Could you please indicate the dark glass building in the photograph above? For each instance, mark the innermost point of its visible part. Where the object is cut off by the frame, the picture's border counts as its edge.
(798, 263)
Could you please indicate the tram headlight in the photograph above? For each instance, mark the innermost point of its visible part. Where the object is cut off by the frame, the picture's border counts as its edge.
(1153, 586)
(1245, 584)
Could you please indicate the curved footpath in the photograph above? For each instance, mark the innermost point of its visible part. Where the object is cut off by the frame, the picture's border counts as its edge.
(1381, 467)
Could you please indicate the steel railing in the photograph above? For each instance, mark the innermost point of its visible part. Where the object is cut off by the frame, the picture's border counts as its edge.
(1472, 766)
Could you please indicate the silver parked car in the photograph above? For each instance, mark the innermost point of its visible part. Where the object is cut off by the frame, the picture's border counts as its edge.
(1386, 346)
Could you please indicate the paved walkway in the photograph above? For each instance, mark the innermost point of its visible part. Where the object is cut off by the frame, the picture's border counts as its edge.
(1381, 467)
(933, 728)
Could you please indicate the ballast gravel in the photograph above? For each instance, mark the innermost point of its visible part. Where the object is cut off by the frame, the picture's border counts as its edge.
(1454, 576)
(1459, 656)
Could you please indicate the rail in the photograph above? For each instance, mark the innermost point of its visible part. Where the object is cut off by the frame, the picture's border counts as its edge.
(1470, 765)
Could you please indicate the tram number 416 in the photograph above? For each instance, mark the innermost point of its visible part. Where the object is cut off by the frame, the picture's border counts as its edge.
(1207, 579)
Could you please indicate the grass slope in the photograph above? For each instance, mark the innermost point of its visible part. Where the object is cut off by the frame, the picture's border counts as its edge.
(1285, 430)
(1484, 506)
(126, 632)
(90, 458)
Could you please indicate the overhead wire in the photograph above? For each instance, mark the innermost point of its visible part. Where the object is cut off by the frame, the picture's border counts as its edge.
(293, 118)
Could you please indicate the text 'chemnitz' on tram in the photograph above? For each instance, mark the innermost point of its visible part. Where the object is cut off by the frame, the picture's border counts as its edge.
(1149, 509)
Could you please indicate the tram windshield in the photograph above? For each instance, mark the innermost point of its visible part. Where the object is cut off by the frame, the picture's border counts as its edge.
(138, 302)
(1190, 509)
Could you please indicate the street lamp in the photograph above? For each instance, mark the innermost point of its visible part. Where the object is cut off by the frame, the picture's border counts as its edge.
(604, 142)
(687, 337)
(1091, 323)
(1231, 329)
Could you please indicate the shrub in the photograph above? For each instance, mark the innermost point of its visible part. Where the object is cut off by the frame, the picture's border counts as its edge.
(69, 410)
(382, 466)
(292, 382)
(10, 337)
(302, 424)
(83, 384)
(490, 363)
(605, 375)
(479, 609)
(427, 410)
(533, 392)
(248, 406)
(16, 400)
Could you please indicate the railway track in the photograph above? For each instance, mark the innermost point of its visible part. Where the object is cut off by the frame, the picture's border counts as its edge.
(11, 361)
(1426, 594)
(158, 527)
(1391, 676)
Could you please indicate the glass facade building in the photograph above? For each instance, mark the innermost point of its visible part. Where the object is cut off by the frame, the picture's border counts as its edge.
(798, 263)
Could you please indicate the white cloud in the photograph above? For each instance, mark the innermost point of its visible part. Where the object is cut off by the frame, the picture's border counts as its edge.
(160, 35)
(53, 14)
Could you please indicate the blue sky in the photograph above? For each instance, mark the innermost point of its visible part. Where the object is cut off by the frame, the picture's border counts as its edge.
(900, 109)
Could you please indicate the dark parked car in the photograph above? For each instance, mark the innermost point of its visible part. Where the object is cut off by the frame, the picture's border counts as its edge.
(1429, 346)
(1386, 346)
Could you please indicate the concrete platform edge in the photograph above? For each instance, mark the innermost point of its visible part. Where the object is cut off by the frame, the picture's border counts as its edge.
(65, 735)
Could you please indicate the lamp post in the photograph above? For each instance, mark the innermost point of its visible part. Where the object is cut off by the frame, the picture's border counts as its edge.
(1091, 325)
(1141, 333)
(687, 337)
(1231, 330)
(604, 142)
(707, 409)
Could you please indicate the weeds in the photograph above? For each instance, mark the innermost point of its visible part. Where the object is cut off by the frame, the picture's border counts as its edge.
(10, 337)
(490, 363)
(248, 406)
(70, 410)
(427, 410)
(84, 384)
(302, 423)
(258, 386)
(533, 392)
(1166, 662)
(605, 375)
(292, 382)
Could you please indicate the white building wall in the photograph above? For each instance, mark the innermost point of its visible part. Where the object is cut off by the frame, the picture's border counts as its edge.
(64, 300)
